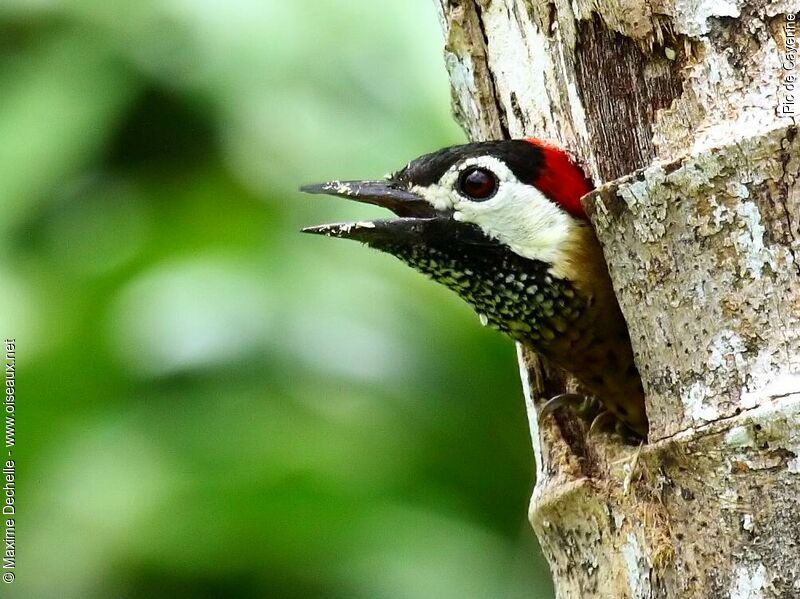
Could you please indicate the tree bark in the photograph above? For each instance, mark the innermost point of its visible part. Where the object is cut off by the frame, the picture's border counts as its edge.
(678, 111)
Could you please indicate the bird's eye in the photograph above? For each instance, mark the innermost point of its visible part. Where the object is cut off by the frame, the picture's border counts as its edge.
(477, 183)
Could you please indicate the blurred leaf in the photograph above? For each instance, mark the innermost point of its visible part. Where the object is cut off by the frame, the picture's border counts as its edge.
(59, 106)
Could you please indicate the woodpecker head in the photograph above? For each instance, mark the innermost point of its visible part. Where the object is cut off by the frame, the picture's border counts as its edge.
(501, 223)
(523, 195)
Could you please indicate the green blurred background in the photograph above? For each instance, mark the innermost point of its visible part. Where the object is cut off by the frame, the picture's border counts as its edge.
(209, 403)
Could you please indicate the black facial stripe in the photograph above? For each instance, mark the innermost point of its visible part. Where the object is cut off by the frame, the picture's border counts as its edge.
(524, 160)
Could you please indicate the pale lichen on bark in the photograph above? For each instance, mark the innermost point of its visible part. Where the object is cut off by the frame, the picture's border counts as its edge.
(706, 275)
(673, 103)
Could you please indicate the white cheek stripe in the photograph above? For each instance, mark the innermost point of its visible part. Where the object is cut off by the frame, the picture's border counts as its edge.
(519, 215)
(522, 218)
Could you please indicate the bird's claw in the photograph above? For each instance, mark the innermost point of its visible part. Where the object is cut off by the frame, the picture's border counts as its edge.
(562, 400)
(586, 407)
(590, 410)
(604, 421)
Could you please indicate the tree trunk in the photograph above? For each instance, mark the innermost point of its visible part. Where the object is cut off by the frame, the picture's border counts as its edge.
(679, 109)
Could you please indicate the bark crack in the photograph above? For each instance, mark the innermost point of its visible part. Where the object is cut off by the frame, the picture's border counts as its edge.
(703, 429)
(501, 109)
(787, 139)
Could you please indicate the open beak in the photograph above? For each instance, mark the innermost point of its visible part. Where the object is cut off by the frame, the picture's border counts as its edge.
(415, 212)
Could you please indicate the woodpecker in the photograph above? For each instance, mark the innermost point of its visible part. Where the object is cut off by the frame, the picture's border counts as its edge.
(501, 224)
